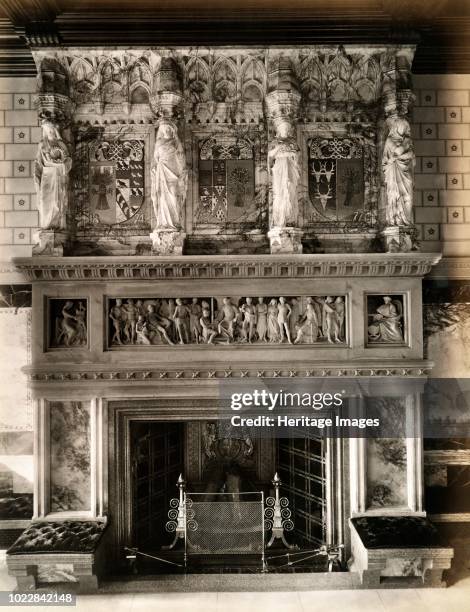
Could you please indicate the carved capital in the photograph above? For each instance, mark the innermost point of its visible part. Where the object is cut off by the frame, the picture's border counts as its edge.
(167, 101)
(283, 105)
(54, 107)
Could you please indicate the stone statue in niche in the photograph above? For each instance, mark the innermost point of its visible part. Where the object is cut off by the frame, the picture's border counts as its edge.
(52, 167)
(169, 178)
(283, 158)
(386, 325)
(161, 321)
(70, 323)
(398, 161)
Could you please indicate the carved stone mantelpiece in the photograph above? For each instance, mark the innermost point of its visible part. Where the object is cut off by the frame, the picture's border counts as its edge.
(299, 278)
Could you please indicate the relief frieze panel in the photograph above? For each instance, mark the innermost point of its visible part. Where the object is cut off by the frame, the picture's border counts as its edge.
(67, 323)
(227, 321)
(386, 319)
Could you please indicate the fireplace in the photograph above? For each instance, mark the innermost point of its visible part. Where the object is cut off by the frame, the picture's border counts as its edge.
(122, 409)
(218, 464)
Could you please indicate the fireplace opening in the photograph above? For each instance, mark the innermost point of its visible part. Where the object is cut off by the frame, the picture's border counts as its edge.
(225, 472)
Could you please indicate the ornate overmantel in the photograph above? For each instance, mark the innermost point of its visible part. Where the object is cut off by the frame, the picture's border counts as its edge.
(223, 149)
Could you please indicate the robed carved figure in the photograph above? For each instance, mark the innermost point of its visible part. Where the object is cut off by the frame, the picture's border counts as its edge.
(398, 162)
(283, 159)
(52, 167)
(169, 178)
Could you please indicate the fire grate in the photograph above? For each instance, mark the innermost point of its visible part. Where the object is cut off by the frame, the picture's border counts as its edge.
(228, 524)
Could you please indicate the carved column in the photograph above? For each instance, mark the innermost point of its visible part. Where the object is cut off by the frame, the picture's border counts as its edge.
(283, 102)
(54, 159)
(168, 167)
(398, 159)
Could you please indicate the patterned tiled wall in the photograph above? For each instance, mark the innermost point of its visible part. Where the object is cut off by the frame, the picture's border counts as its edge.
(19, 135)
(441, 130)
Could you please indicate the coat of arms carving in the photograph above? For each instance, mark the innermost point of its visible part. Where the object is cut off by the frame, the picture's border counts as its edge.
(226, 182)
(335, 179)
(117, 180)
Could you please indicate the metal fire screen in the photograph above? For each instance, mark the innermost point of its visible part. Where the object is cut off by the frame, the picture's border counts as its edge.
(224, 523)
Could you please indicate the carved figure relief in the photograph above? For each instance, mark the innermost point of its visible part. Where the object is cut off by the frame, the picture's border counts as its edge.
(117, 180)
(52, 167)
(215, 320)
(226, 181)
(67, 323)
(398, 161)
(386, 319)
(283, 159)
(169, 178)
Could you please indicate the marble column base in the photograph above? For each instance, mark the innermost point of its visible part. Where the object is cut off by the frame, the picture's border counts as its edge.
(167, 241)
(399, 239)
(50, 242)
(285, 240)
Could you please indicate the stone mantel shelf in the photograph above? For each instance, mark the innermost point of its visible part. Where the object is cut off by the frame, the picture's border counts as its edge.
(127, 268)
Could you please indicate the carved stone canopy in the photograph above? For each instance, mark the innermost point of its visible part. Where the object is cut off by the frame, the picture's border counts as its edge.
(345, 76)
